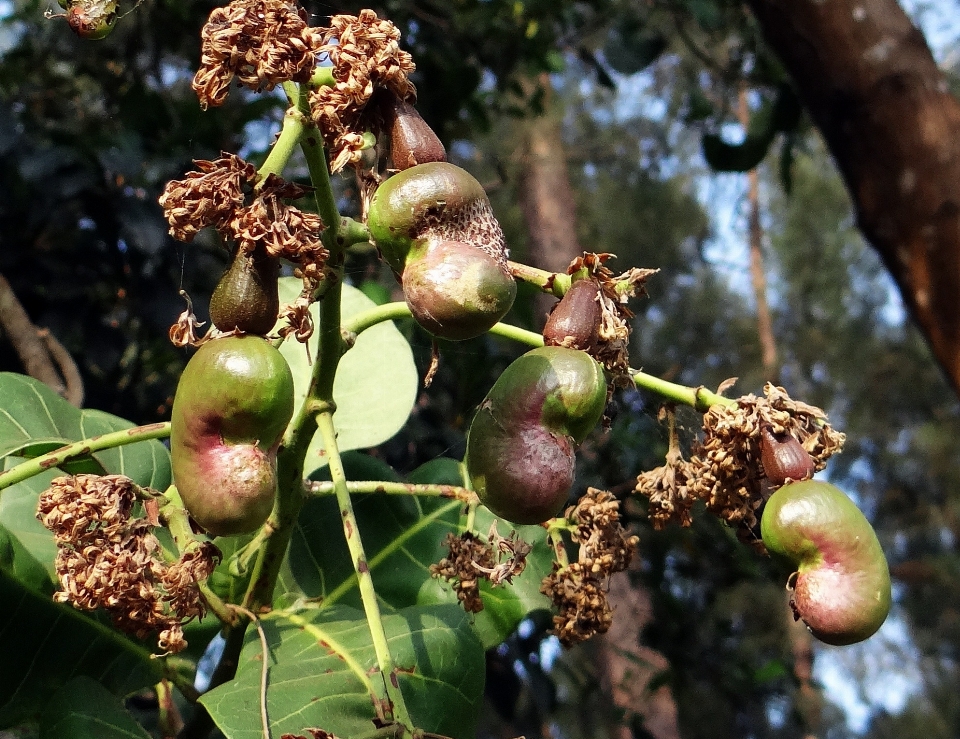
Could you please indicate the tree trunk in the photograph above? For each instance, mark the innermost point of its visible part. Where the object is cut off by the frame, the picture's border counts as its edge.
(546, 196)
(870, 82)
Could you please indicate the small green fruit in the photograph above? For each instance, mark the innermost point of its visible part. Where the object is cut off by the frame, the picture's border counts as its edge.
(842, 584)
(522, 442)
(232, 405)
(247, 299)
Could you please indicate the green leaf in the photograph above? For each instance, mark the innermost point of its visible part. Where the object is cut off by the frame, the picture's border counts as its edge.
(402, 536)
(35, 420)
(322, 662)
(84, 709)
(147, 463)
(376, 384)
(46, 644)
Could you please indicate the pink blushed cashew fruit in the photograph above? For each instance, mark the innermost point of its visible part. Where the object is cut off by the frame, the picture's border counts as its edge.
(841, 589)
(233, 402)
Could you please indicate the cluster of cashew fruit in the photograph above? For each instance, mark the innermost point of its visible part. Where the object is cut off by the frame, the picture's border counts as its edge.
(434, 226)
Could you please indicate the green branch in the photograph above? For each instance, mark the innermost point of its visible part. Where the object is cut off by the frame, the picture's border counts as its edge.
(291, 130)
(393, 488)
(82, 448)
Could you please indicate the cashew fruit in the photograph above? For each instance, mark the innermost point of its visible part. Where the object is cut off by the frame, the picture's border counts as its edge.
(784, 458)
(412, 141)
(841, 589)
(522, 441)
(575, 320)
(435, 228)
(247, 299)
(233, 402)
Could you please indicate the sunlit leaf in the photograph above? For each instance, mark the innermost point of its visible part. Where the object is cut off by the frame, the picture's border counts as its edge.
(402, 536)
(376, 383)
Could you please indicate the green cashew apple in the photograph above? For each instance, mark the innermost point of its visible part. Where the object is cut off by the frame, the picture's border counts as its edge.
(435, 228)
(841, 589)
(233, 402)
(522, 442)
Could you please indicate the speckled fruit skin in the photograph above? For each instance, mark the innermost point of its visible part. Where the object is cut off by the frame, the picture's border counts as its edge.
(522, 442)
(233, 402)
(842, 583)
(435, 228)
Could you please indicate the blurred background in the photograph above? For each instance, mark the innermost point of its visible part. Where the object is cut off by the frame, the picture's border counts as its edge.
(666, 132)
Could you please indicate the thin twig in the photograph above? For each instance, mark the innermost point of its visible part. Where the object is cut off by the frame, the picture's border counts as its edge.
(265, 649)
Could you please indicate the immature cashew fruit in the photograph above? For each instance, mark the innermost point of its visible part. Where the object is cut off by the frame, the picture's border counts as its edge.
(232, 405)
(575, 320)
(434, 226)
(412, 141)
(522, 442)
(784, 458)
(247, 297)
(842, 583)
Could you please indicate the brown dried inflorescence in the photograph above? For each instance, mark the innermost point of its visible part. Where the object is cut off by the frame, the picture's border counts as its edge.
(283, 230)
(108, 559)
(471, 559)
(365, 54)
(725, 470)
(579, 589)
(207, 197)
(261, 43)
(224, 194)
(613, 335)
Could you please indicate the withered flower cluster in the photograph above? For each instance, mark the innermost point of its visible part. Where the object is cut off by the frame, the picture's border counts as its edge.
(725, 470)
(365, 54)
(613, 336)
(108, 559)
(579, 589)
(471, 559)
(222, 194)
(261, 43)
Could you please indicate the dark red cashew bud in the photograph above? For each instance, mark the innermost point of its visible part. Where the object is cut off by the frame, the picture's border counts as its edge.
(412, 141)
(575, 320)
(784, 458)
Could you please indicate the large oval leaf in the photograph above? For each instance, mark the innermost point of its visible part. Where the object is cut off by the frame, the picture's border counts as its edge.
(322, 662)
(402, 536)
(376, 384)
(84, 709)
(45, 645)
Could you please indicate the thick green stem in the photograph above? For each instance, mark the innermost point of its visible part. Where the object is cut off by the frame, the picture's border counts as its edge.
(393, 488)
(554, 283)
(82, 448)
(291, 130)
(368, 595)
(697, 397)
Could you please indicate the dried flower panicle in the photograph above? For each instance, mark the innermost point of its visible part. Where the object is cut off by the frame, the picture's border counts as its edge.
(579, 589)
(207, 197)
(471, 559)
(668, 489)
(613, 335)
(365, 53)
(284, 231)
(108, 559)
(725, 470)
(261, 43)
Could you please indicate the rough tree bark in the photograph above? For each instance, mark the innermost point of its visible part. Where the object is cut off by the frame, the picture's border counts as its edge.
(872, 87)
